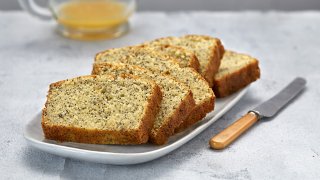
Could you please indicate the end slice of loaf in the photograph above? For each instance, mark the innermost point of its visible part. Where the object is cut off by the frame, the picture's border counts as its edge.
(208, 50)
(236, 71)
(176, 104)
(202, 92)
(185, 57)
(101, 110)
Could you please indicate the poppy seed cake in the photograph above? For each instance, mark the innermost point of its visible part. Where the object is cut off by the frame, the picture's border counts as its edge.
(236, 71)
(186, 58)
(202, 93)
(101, 110)
(177, 101)
(208, 50)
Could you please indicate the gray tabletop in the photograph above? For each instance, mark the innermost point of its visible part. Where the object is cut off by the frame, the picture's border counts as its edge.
(32, 56)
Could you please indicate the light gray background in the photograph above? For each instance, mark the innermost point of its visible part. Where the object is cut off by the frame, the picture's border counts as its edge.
(287, 147)
(32, 56)
(216, 5)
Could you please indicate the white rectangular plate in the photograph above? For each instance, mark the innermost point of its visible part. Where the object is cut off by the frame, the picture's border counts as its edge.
(121, 154)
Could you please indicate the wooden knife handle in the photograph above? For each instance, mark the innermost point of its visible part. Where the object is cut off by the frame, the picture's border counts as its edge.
(228, 135)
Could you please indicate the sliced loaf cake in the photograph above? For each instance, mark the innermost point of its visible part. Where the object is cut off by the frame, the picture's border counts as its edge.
(101, 110)
(202, 93)
(236, 71)
(208, 51)
(177, 101)
(185, 57)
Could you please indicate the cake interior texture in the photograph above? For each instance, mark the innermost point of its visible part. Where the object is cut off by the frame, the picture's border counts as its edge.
(98, 103)
(202, 46)
(177, 99)
(236, 71)
(173, 92)
(155, 62)
(202, 92)
(232, 62)
(185, 57)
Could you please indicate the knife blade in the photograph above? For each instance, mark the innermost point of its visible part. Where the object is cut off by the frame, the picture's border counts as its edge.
(265, 110)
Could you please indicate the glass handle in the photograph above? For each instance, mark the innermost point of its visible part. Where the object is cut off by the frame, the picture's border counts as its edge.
(35, 10)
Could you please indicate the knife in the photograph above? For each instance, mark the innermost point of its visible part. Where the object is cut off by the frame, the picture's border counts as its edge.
(265, 110)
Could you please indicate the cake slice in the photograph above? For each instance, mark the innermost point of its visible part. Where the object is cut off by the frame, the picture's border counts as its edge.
(186, 58)
(176, 104)
(101, 110)
(236, 71)
(208, 51)
(202, 93)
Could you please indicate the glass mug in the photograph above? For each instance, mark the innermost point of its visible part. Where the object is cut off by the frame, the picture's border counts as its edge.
(86, 19)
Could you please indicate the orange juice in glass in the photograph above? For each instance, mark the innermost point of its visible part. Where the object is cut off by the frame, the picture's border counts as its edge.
(87, 19)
